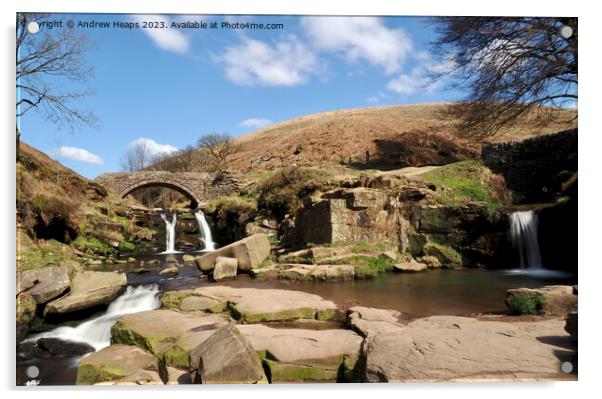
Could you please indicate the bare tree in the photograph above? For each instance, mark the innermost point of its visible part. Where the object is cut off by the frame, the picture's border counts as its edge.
(137, 156)
(219, 146)
(512, 67)
(47, 62)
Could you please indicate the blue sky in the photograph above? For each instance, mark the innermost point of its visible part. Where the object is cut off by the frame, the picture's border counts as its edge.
(173, 85)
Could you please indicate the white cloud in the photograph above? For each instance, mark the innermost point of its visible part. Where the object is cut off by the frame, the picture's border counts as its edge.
(253, 62)
(409, 83)
(166, 39)
(360, 38)
(255, 123)
(77, 154)
(153, 148)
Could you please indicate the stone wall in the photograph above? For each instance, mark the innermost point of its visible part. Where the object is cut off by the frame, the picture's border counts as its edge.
(534, 168)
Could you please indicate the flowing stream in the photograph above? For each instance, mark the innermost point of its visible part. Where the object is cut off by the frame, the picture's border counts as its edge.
(206, 237)
(523, 232)
(97, 331)
(170, 233)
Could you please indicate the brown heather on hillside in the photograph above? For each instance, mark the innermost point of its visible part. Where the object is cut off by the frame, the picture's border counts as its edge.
(392, 136)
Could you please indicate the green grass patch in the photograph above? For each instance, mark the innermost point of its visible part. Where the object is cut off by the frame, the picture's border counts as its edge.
(366, 266)
(527, 304)
(92, 245)
(468, 181)
(127, 246)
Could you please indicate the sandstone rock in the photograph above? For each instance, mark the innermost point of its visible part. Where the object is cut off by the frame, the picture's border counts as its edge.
(170, 271)
(571, 325)
(370, 322)
(252, 305)
(178, 376)
(295, 355)
(114, 363)
(44, 284)
(448, 256)
(225, 268)
(411, 266)
(226, 357)
(294, 256)
(551, 300)
(89, 289)
(315, 272)
(265, 273)
(321, 252)
(249, 252)
(59, 347)
(447, 348)
(131, 260)
(431, 261)
(187, 258)
(167, 334)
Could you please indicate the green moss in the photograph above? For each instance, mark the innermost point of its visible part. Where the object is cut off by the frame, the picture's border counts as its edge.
(527, 304)
(176, 356)
(92, 245)
(186, 216)
(291, 314)
(127, 246)
(88, 374)
(288, 372)
(173, 299)
(447, 255)
(463, 182)
(37, 256)
(362, 247)
(366, 266)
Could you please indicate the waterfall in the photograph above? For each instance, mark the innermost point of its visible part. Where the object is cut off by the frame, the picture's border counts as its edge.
(170, 234)
(97, 332)
(523, 232)
(206, 237)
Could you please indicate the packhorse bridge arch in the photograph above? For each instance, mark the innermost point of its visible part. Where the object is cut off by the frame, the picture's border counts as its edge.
(198, 187)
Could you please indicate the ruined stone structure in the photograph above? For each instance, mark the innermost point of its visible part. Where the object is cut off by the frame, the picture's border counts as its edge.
(198, 187)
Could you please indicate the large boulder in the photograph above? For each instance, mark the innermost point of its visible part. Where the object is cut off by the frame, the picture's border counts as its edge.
(296, 354)
(225, 268)
(446, 348)
(249, 252)
(226, 357)
(551, 300)
(167, 334)
(252, 305)
(113, 363)
(44, 284)
(410, 266)
(89, 289)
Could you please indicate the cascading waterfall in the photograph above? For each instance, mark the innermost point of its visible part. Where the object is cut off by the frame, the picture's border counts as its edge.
(523, 232)
(170, 234)
(97, 332)
(206, 237)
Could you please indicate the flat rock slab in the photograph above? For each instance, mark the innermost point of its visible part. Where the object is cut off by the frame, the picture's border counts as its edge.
(113, 363)
(253, 305)
(44, 284)
(315, 272)
(167, 334)
(448, 348)
(369, 322)
(557, 300)
(89, 289)
(296, 354)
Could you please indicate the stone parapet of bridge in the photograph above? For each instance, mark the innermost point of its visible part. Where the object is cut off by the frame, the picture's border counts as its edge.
(197, 186)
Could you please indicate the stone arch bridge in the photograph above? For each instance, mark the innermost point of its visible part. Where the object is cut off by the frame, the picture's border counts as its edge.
(198, 187)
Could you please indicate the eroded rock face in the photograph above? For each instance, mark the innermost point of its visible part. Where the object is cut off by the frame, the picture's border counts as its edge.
(89, 289)
(249, 252)
(226, 357)
(114, 363)
(44, 284)
(252, 305)
(551, 300)
(296, 355)
(445, 348)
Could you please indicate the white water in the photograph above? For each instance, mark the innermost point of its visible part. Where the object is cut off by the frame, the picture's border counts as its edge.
(523, 232)
(97, 331)
(170, 234)
(206, 237)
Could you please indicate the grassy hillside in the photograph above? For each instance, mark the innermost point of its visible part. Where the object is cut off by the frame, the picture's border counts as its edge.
(375, 137)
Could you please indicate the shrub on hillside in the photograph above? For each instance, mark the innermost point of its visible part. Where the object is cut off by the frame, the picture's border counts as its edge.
(283, 192)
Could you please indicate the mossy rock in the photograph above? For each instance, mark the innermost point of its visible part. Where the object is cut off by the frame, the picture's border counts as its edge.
(447, 255)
